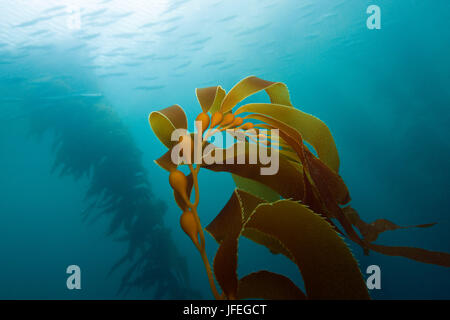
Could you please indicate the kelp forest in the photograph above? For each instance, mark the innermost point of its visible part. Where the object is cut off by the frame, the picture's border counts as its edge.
(90, 140)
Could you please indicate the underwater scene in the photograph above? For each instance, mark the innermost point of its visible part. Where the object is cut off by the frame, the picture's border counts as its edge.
(210, 149)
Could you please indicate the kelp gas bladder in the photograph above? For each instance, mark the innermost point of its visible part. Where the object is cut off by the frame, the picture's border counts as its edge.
(304, 219)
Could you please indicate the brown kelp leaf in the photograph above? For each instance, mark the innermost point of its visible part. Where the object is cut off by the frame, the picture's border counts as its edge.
(210, 98)
(227, 219)
(324, 200)
(256, 188)
(311, 197)
(328, 267)
(271, 243)
(312, 129)
(371, 231)
(165, 121)
(292, 156)
(242, 203)
(327, 197)
(225, 261)
(165, 161)
(277, 91)
(421, 255)
(225, 266)
(248, 203)
(336, 185)
(287, 172)
(268, 285)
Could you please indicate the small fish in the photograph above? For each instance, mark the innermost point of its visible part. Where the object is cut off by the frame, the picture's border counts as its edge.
(132, 64)
(122, 15)
(39, 32)
(41, 80)
(150, 78)
(229, 18)
(168, 57)
(32, 22)
(149, 88)
(149, 25)
(61, 14)
(90, 36)
(91, 95)
(189, 35)
(92, 67)
(37, 47)
(200, 41)
(76, 95)
(195, 48)
(253, 30)
(11, 99)
(81, 46)
(146, 57)
(226, 67)
(100, 24)
(214, 63)
(94, 13)
(182, 66)
(113, 74)
(167, 31)
(11, 80)
(56, 8)
(169, 20)
(125, 35)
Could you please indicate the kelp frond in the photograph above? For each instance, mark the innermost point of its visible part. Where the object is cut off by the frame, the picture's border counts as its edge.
(298, 211)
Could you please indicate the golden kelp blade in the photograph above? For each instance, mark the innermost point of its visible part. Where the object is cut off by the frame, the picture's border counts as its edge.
(328, 267)
(256, 188)
(165, 121)
(371, 231)
(271, 243)
(225, 221)
(312, 129)
(277, 91)
(268, 285)
(225, 261)
(210, 98)
(165, 161)
(421, 255)
(277, 182)
(243, 203)
(226, 229)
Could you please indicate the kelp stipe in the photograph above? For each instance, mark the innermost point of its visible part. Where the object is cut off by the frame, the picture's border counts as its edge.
(305, 219)
(91, 141)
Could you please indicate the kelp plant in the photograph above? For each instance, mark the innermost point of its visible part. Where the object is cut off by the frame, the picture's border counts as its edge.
(301, 212)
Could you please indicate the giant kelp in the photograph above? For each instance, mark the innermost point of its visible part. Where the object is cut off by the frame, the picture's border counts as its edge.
(90, 140)
(302, 211)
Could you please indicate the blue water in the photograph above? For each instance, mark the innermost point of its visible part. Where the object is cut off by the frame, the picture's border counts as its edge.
(383, 93)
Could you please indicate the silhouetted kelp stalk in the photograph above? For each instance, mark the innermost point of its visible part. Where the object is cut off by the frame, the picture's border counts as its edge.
(91, 141)
(294, 212)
